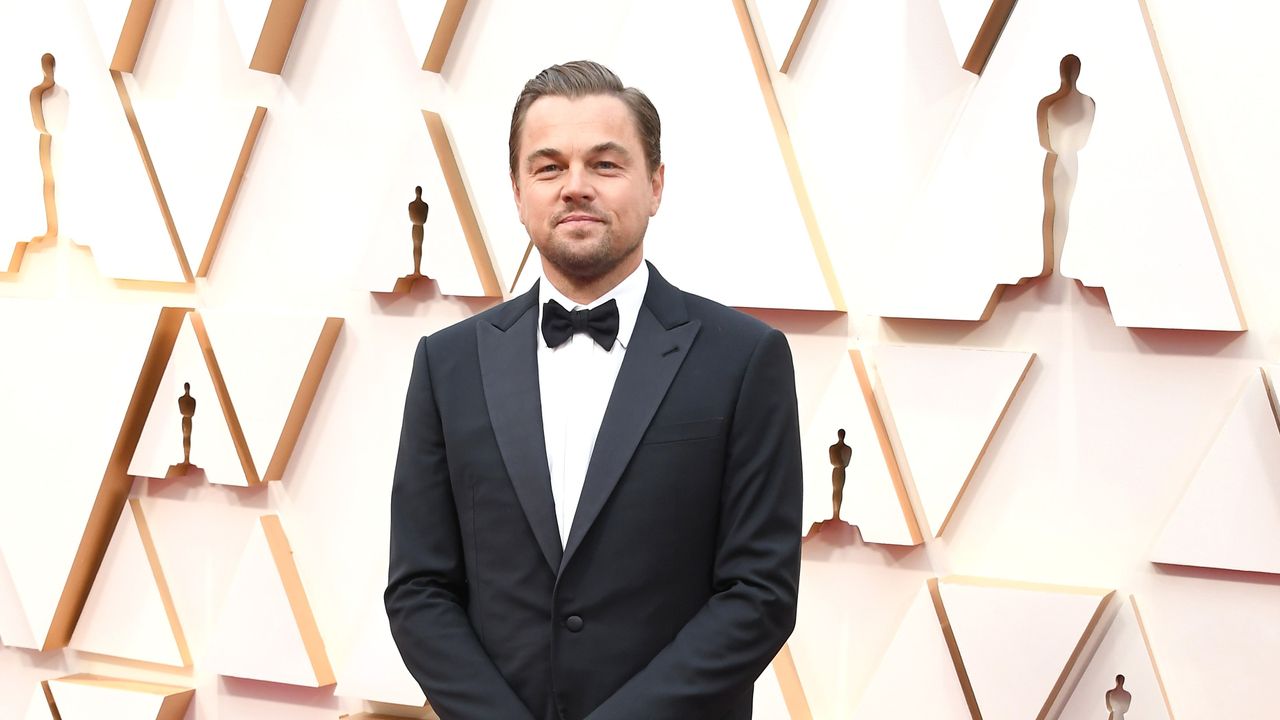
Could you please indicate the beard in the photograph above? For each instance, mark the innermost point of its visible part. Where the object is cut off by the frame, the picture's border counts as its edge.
(585, 260)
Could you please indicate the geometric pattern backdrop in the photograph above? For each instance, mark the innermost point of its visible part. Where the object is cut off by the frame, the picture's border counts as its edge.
(1063, 441)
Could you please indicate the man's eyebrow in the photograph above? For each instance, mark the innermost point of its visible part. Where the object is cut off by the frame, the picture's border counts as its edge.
(546, 152)
(610, 146)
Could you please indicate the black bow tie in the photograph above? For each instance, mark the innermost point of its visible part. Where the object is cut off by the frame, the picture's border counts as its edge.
(601, 323)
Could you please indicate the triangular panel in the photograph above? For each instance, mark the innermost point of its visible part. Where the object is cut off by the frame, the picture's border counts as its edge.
(1229, 516)
(266, 630)
(979, 223)
(946, 404)
(1018, 642)
(874, 498)
(160, 450)
(83, 377)
(129, 612)
(93, 697)
(1124, 650)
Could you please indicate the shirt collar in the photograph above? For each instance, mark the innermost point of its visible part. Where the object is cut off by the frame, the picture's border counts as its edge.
(629, 294)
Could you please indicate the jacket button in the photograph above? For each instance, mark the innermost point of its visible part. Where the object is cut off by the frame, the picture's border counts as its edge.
(573, 623)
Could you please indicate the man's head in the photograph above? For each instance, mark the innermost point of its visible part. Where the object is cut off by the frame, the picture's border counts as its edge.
(586, 169)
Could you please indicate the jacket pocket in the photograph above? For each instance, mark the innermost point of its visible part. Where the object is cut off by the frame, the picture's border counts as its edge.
(679, 432)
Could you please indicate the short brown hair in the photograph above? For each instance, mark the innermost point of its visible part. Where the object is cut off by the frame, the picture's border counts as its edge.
(581, 78)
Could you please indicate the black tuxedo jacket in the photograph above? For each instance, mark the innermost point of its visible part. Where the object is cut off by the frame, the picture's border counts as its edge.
(678, 581)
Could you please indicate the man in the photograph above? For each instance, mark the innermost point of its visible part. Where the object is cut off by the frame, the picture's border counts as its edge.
(596, 505)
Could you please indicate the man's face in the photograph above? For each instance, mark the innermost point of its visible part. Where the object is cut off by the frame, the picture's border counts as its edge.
(582, 184)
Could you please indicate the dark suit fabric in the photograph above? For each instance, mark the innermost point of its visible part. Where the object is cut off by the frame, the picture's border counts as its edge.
(678, 582)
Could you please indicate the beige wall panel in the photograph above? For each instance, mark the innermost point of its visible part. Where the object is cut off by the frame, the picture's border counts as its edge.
(213, 445)
(1124, 651)
(98, 172)
(265, 630)
(1229, 516)
(875, 497)
(945, 404)
(917, 658)
(373, 669)
(62, 424)
(251, 400)
(977, 224)
(738, 215)
(446, 256)
(1018, 642)
(129, 612)
(93, 697)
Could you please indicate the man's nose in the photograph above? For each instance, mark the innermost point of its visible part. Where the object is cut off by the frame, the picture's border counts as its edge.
(577, 185)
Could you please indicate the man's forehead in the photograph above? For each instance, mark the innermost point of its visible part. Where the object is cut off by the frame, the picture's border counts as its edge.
(590, 119)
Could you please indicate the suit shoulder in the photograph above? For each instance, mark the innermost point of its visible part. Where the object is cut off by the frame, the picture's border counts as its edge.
(724, 320)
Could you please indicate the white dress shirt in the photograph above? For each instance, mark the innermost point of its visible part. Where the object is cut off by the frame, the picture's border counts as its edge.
(575, 381)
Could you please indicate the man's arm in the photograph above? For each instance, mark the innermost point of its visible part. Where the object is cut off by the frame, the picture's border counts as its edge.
(427, 586)
(715, 658)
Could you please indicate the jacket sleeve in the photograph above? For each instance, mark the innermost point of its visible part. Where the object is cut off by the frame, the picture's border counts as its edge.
(427, 585)
(714, 660)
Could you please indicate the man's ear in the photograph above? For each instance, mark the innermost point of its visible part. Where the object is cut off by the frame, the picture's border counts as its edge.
(656, 182)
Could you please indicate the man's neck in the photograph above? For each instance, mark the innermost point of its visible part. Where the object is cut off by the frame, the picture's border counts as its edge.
(585, 292)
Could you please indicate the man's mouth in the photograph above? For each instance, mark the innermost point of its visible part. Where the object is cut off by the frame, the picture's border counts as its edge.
(578, 218)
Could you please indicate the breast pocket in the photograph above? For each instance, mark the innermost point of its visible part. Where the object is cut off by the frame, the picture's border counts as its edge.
(683, 431)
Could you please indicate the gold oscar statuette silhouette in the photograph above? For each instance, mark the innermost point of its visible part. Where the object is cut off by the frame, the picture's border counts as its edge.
(418, 210)
(187, 406)
(1118, 700)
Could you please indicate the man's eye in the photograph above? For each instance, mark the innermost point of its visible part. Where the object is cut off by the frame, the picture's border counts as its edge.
(546, 168)
(607, 165)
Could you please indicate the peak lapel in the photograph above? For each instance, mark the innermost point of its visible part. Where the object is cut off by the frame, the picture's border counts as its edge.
(507, 346)
(651, 362)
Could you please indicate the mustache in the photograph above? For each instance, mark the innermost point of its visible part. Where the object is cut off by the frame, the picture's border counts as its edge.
(588, 209)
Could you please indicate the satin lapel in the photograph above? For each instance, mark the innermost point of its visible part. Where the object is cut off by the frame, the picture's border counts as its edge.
(650, 365)
(509, 371)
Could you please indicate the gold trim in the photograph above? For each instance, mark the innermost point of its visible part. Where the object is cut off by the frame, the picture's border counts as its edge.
(278, 29)
(984, 42)
(1191, 161)
(799, 36)
(749, 35)
(886, 447)
(113, 492)
(481, 256)
(282, 554)
(132, 35)
(442, 41)
(233, 189)
(127, 105)
(304, 398)
(953, 648)
(784, 666)
(1155, 667)
(973, 469)
(162, 585)
(224, 401)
